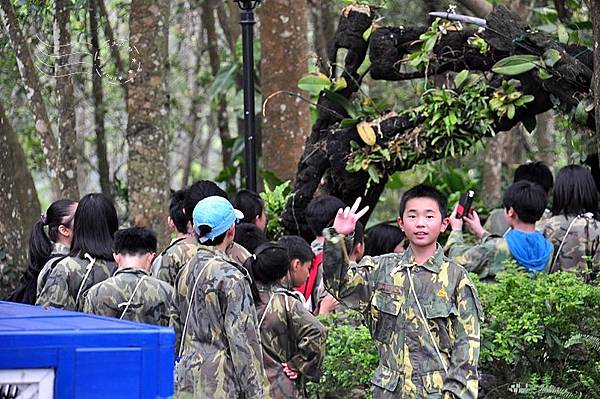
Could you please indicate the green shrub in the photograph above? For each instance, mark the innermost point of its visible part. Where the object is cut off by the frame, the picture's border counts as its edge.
(350, 360)
(275, 201)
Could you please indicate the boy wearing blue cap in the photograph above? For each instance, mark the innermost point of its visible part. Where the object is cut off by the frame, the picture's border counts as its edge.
(219, 349)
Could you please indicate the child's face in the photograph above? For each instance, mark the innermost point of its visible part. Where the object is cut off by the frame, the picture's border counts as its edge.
(299, 272)
(422, 222)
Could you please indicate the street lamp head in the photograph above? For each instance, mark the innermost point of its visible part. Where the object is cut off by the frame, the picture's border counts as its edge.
(247, 4)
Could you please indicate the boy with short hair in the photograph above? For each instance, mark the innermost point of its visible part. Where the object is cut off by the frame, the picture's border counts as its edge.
(535, 172)
(422, 309)
(524, 203)
(131, 293)
(182, 248)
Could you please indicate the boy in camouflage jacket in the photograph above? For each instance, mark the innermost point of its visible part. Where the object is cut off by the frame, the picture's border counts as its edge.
(219, 349)
(131, 293)
(421, 308)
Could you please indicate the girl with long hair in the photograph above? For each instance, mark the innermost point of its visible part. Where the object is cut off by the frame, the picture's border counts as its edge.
(49, 240)
(90, 259)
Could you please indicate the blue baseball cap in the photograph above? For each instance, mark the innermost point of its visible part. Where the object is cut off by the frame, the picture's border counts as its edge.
(216, 212)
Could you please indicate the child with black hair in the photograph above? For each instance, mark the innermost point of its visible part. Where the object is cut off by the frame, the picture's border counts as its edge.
(131, 293)
(293, 340)
(213, 314)
(574, 228)
(320, 214)
(50, 239)
(182, 248)
(535, 172)
(249, 236)
(253, 208)
(524, 203)
(90, 259)
(421, 308)
(197, 192)
(384, 239)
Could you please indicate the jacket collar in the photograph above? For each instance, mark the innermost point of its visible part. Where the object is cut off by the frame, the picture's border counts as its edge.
(131, 270)
(432, 263)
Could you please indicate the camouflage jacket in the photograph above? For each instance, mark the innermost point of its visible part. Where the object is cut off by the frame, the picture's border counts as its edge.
(237, 253)
(131, 294)
(289, 333)
(221, 355)
(417, 340)
(496, 221)
(580, 251)
(58, 251)
(486, 259)
(70, 279)
(168, 264)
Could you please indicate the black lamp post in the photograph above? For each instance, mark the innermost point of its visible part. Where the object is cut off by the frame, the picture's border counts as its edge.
(247, 22)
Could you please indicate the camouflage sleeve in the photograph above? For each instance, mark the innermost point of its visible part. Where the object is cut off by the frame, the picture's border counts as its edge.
(462, 377)
(474, 258)
(175, 317)
(347, 281)
(56, 292)
(166, 268)
(241, 330)
(89, 303)
(310, 336)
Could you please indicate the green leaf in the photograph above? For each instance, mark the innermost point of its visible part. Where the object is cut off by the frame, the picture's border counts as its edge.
(511, 111)
(460, 78)
(515, 65)
(373, 173)
(314, 84)
(551, 57)
(581, 115)
(527, 98)
(367, 34)
(544, 74)
(348, 122)
(339, 84)
(563, 35)
(343, 102)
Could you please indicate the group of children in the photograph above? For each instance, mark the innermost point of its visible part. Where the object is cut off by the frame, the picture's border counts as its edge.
(244, 308)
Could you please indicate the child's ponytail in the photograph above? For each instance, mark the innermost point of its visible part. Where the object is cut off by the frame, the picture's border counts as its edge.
(269, 264)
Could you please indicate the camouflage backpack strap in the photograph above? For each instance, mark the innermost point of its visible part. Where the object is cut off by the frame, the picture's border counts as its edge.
(435, 346)
(562, 242)
(91, 263)
(191, 303)
(128, 303)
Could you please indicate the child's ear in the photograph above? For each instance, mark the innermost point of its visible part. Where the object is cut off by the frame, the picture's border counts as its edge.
(170, 222)
(400, 224)
(118, 258)
(445, 223)
(295, 265)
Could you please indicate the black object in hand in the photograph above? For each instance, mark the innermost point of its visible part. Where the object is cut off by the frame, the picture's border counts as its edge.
(465, 203)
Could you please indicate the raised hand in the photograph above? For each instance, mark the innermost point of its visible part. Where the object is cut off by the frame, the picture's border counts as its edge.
(345, 220)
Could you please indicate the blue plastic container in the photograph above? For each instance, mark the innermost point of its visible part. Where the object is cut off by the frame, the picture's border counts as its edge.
(93, 356)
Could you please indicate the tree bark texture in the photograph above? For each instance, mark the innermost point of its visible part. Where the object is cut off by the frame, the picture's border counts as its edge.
(481, 8)
(19, 207)
(98, 97)
(67, 136)
(61, 177)
(210, 28)
(323, 19)
(328, 148)
(595, 16)
(148, 105)
(113, 45)
(544, 133)
(286, 121)
(492, 172)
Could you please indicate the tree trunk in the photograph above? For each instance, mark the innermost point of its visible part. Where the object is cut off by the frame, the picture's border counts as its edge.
(323, 19)
(545, 137)
(492, 172)
(98, 96)
(113, 46)
(480, 8)
(595, 16)
(67, 136)
(148, 104)
(209, 23)
(286, 122)
(19, 207)
(62, 178)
